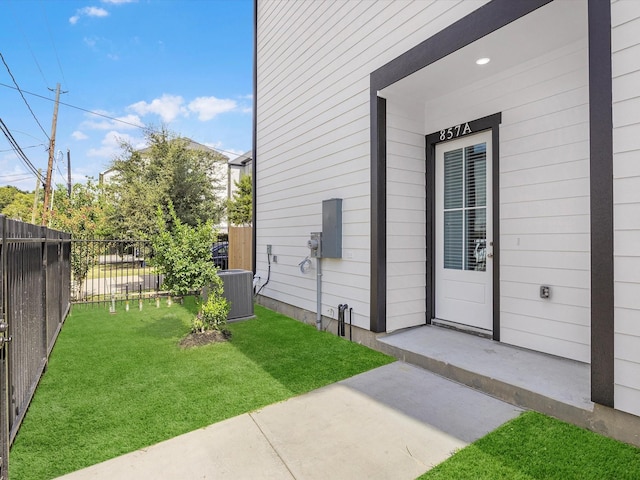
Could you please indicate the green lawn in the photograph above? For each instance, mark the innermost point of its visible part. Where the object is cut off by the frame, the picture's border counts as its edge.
(536, 447)
(120, 382)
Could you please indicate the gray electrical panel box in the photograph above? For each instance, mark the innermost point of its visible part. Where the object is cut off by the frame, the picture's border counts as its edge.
(332, 228)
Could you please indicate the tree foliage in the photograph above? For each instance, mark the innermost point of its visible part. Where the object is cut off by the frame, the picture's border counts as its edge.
(240, 207)
(7, 194)
(21, 207)
(183, 254)
(171, 170)
(85, 216)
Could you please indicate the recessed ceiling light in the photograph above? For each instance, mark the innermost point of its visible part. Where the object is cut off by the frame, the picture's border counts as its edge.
(483, 61)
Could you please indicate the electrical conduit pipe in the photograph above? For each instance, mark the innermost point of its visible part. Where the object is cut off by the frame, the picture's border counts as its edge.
(319, 295)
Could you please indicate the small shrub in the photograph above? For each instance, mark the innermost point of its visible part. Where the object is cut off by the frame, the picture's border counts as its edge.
(213, 315)
(183, 254)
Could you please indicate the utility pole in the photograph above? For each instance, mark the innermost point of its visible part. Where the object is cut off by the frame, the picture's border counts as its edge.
(69, 172)
(52, 145)
(35, 196)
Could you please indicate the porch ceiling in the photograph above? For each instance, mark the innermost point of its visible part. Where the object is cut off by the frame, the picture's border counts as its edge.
(557, 24)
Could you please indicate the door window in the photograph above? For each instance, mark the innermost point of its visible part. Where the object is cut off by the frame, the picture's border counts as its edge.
(465, 208)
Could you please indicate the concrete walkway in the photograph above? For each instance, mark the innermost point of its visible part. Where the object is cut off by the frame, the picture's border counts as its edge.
(395, 421)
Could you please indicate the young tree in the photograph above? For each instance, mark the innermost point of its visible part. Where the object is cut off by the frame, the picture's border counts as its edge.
(182, 254)
(85, 216)
(171, 170)
(239, 208)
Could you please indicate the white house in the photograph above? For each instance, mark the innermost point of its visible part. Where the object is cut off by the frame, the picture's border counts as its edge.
(487, 154)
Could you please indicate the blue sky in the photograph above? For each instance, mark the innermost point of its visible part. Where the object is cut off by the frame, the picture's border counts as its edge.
(185, 64)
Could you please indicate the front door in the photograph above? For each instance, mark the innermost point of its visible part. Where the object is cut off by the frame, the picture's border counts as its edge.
(464, 243)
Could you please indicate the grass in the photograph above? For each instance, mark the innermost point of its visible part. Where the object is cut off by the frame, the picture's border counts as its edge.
(535, 447)
(117, 383)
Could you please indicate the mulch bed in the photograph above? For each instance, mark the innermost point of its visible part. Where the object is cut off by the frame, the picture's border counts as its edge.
(200, 339)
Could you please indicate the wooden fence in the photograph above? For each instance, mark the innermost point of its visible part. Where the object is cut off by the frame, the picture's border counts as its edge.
(240, 246)
(35, 273)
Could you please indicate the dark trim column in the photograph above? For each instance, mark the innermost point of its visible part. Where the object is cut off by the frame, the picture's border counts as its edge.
(378, 307)
(601, 182)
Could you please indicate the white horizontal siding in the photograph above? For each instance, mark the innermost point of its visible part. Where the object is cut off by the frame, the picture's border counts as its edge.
(544, 210)
(625, 61)
(314, 61)
(406, 235)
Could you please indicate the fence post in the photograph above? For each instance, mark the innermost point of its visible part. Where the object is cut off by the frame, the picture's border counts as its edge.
(45, 309)
(4, 367)
(59, 277)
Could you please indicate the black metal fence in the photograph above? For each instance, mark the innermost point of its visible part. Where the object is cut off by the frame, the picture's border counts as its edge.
(35, 273)
(42, 272)
(106, 271)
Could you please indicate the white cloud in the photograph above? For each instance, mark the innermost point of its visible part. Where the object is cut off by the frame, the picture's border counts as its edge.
(126, 122)
(78, 135)
(118, 2)
(208, 107)
(168, 107)
(111, 145)
(88, 12)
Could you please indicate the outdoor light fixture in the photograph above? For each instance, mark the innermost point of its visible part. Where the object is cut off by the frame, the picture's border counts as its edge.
(483, 61)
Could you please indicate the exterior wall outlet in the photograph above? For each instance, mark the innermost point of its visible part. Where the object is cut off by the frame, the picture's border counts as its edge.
(545, 291)
(268, 249)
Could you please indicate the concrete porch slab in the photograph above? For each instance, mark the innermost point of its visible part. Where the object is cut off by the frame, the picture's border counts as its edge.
(451, 351)
(552, 385)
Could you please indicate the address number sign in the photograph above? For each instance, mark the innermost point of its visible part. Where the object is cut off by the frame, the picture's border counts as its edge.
(455, 131)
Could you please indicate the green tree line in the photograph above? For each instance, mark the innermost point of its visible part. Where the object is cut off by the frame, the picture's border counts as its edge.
(170, 171)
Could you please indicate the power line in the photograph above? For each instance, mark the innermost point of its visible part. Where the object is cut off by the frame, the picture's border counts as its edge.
(16, 177)
(98, 114)
(137, 125)
(21, 155)
(17, 20)
(22, 95)
(46, 20)
(24, 148)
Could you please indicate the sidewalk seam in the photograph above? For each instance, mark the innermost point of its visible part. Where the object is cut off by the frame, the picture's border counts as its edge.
(271, 445)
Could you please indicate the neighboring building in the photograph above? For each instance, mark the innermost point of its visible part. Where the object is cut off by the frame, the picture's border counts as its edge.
(238, 167)
(466, 189)
(106, 176)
